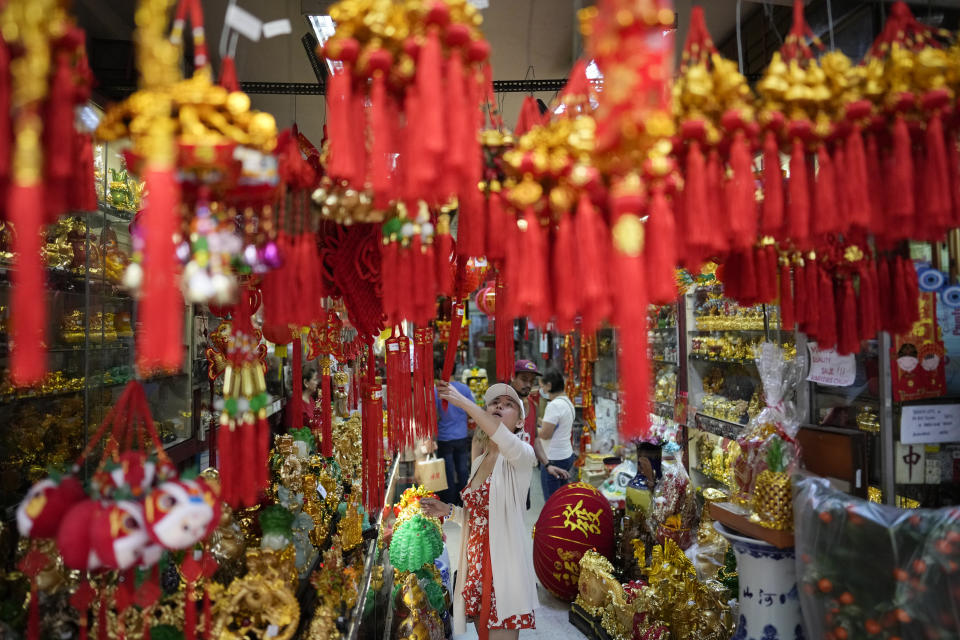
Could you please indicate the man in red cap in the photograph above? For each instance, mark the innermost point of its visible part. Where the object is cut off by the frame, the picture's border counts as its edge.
(524, 382)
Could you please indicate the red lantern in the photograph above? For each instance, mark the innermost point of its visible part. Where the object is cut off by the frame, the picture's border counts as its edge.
(486, 299)
(575, 519)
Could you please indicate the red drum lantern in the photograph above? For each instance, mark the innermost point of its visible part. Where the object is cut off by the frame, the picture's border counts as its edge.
(575, 519)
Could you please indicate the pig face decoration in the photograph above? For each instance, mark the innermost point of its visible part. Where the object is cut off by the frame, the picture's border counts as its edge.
(119, 535)
(180, 513)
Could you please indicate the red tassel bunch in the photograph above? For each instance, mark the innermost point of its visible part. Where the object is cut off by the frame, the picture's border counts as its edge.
(244, 434)
(294, 290)
(400, 418)
(414, 271)
(404, 113)
(46, 164)
(425, 405)
(372, 437)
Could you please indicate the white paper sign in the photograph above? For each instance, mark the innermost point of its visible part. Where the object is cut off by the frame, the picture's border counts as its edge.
(830, 368)
(243, 22)
(276, 28)
(910, 463)
(930, 423)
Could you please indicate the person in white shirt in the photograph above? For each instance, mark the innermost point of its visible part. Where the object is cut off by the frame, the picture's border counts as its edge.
(554, 445)
(496, 585)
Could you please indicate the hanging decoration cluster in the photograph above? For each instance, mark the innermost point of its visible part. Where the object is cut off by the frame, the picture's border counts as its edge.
(133, 509)
(873, 162)
(244, 434)
(46, 163)
(193, 143)
(597, 181)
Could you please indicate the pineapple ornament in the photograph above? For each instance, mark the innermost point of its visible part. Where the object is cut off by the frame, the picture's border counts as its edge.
(773, 493)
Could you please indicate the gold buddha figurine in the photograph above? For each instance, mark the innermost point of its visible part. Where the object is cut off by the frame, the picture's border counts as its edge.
(72, 327)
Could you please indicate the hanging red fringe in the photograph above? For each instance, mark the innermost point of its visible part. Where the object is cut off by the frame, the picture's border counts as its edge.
(296, 398)
(28, 358)
(58, 152)
(787, 317)
(326, 408)
(717, 214)
(498, 225)
(529, 116)
(856, 179)
(814, 301)
(453, 343)
(936, 176)
(532, 290)
(249, 491)
(631, 313)
(159, 341)
(826, 217)
(593, 240)
(847, 338)
(381, 153)
(899, 176)
(772, 221)
(564, 274)
(827, 335)
(660, 252)
(798, 224)
(342, 161)
(695, 223)
(740, 199)
(503, 328)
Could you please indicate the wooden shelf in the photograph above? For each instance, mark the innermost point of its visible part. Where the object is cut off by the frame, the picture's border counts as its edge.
(738, 519)
(719, 427)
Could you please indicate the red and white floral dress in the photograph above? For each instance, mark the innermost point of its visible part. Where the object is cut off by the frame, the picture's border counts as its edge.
(479, 573)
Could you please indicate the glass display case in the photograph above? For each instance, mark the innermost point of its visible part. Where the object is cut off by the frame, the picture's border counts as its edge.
(725, 391)
(667, 354)
(90, 338)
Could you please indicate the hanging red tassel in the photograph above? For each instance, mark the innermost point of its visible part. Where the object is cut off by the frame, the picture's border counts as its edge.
(899, 179)
(856, 177)
(847, 339)
(342, 160)
(248, 459)
(787, 317)
(390, 284)
(936, 176)
(631, 309)
(159, 341)
(29, 306)
(564, 277)
(827, 333)
(741, 203)
(717, 214)
(532, 290)
(912, 287)
(453, 343)
(189, 613)
(459, 123)
(228, 74)
(825, 216)
(296, 398)
(749, 291)
(901, 298)
(427, 305)
(381, 153)
(660, 253)
(263, 450)
(444, 257)
(867, 302)
(772, 221)
(875, 187)
(529, 116)
(58, 138)
(503, 328)
(766, 273)
(498, 224)
(696, 222)
(429, 86)
(593, 240)
(798, 223)
(326, 408)
(800, 297)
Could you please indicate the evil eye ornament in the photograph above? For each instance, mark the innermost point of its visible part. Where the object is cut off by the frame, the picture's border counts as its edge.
(951, 296)
(931, 279)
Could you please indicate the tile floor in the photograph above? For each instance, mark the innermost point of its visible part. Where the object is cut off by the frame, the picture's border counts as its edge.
(552, 620)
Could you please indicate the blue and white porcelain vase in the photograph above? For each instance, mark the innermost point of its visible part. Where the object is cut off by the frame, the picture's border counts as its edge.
(769, 601)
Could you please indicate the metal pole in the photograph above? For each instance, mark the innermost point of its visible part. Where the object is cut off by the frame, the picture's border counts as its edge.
(887, 462)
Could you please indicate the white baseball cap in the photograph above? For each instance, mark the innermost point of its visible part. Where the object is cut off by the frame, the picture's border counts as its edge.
(494, 391)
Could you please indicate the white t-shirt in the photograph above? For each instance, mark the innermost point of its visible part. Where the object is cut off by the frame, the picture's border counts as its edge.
(560, 412)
